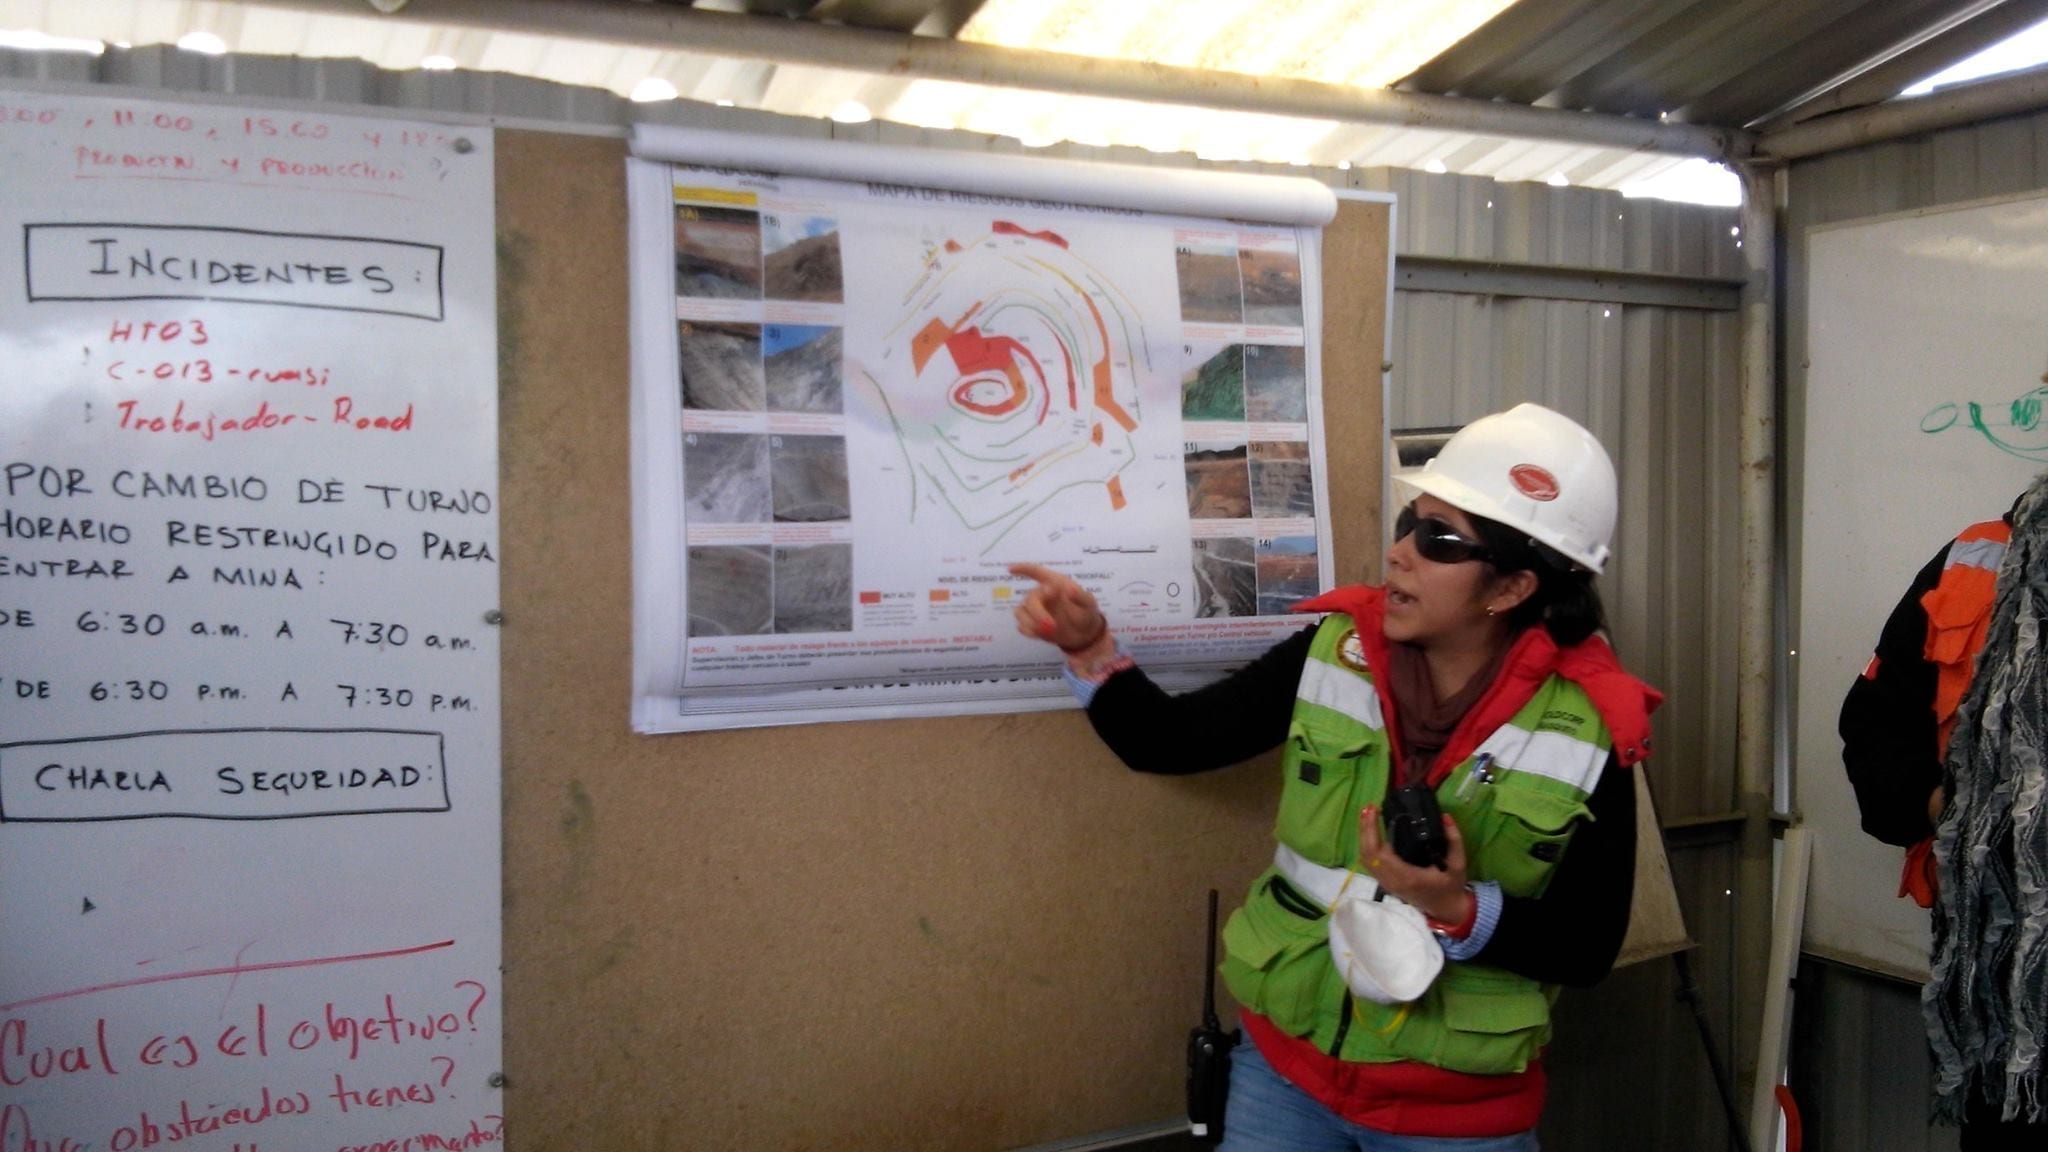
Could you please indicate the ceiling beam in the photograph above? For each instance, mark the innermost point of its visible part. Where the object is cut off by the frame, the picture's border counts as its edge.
(672, 28)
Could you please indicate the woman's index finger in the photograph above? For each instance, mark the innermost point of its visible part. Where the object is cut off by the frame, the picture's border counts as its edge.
(1038, 572)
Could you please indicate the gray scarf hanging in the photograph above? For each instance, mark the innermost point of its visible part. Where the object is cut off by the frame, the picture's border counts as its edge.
(1986, 999)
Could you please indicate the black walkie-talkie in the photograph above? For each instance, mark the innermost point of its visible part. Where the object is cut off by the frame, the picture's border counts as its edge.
(1209, 1055)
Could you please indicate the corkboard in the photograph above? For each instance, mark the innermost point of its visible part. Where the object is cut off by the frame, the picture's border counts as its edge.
(975, 933)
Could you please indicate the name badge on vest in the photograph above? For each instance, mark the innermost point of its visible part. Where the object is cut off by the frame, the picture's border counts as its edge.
(1351, 650)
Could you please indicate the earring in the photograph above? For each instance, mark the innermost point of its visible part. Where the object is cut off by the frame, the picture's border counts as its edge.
(1491, 610)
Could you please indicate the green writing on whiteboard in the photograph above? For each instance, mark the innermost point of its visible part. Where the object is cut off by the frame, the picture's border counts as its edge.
(2014, 428)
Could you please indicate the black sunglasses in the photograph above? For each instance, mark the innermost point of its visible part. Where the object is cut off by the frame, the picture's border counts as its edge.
(1436, 540)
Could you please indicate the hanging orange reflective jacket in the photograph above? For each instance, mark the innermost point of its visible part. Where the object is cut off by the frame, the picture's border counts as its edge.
(1958, 615)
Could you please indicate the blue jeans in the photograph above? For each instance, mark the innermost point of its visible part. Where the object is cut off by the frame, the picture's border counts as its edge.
(1268, 1114)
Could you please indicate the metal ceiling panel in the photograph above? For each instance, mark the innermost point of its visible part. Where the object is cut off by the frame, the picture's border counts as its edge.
(1723, 62)
(1706, 61)
(894, 15)
(1780, 72)
(1728, 62)
(1528, 50)
(1673, 63)
(1920, 61)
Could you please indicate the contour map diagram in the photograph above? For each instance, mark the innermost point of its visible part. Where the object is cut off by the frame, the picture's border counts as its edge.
(1022, 383)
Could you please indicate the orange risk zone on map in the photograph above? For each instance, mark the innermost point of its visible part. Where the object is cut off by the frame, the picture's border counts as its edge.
(991, 383)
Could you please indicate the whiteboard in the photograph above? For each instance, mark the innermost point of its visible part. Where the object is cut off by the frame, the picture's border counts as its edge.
(1912, 320)
(249, 801)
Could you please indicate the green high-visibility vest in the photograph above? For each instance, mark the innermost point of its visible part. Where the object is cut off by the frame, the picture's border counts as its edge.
(1517, 799)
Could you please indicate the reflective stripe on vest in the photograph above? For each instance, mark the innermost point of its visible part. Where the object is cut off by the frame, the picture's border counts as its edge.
(1343, 691)
(1556, 755)
(1320, 884)
(1986, 554)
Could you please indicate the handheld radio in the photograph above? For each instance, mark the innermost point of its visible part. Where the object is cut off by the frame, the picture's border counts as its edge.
(1209, 1055)
(1416, 824)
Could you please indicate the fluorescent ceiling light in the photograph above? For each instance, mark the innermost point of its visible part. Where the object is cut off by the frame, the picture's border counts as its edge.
(204, 43)
(1434, 165)
(852, 112)
(438, 63)
(1693, 182)
(653, 90)
(1368, 43)
(1557, 180)
(30, 40)
(2023, 49)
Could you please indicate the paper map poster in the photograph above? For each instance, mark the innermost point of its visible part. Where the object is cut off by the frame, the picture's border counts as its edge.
(249, 722)
(887, 395)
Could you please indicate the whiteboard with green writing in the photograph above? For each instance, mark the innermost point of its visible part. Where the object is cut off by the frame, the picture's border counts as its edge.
(1928, 344)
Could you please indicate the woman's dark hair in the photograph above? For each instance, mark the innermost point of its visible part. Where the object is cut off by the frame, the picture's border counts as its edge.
(1564, 602)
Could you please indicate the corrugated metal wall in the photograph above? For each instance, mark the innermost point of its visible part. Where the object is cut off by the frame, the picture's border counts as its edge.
(1657, 384)
(1861, 1035)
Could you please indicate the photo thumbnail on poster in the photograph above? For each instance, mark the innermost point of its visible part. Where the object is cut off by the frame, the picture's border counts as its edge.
(718, 252)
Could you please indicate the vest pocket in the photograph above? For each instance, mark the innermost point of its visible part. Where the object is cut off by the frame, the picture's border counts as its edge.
(1957, 618)
(1530, 832)
(1275, 961)
(1951, 616)
(1321, 764)
(1494, 1021)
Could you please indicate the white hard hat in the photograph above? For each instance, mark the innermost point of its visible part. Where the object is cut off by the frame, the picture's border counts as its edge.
(1384, 948)
(1535, 471)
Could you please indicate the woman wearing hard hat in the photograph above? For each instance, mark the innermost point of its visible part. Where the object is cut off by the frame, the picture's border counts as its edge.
(1455, 837)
